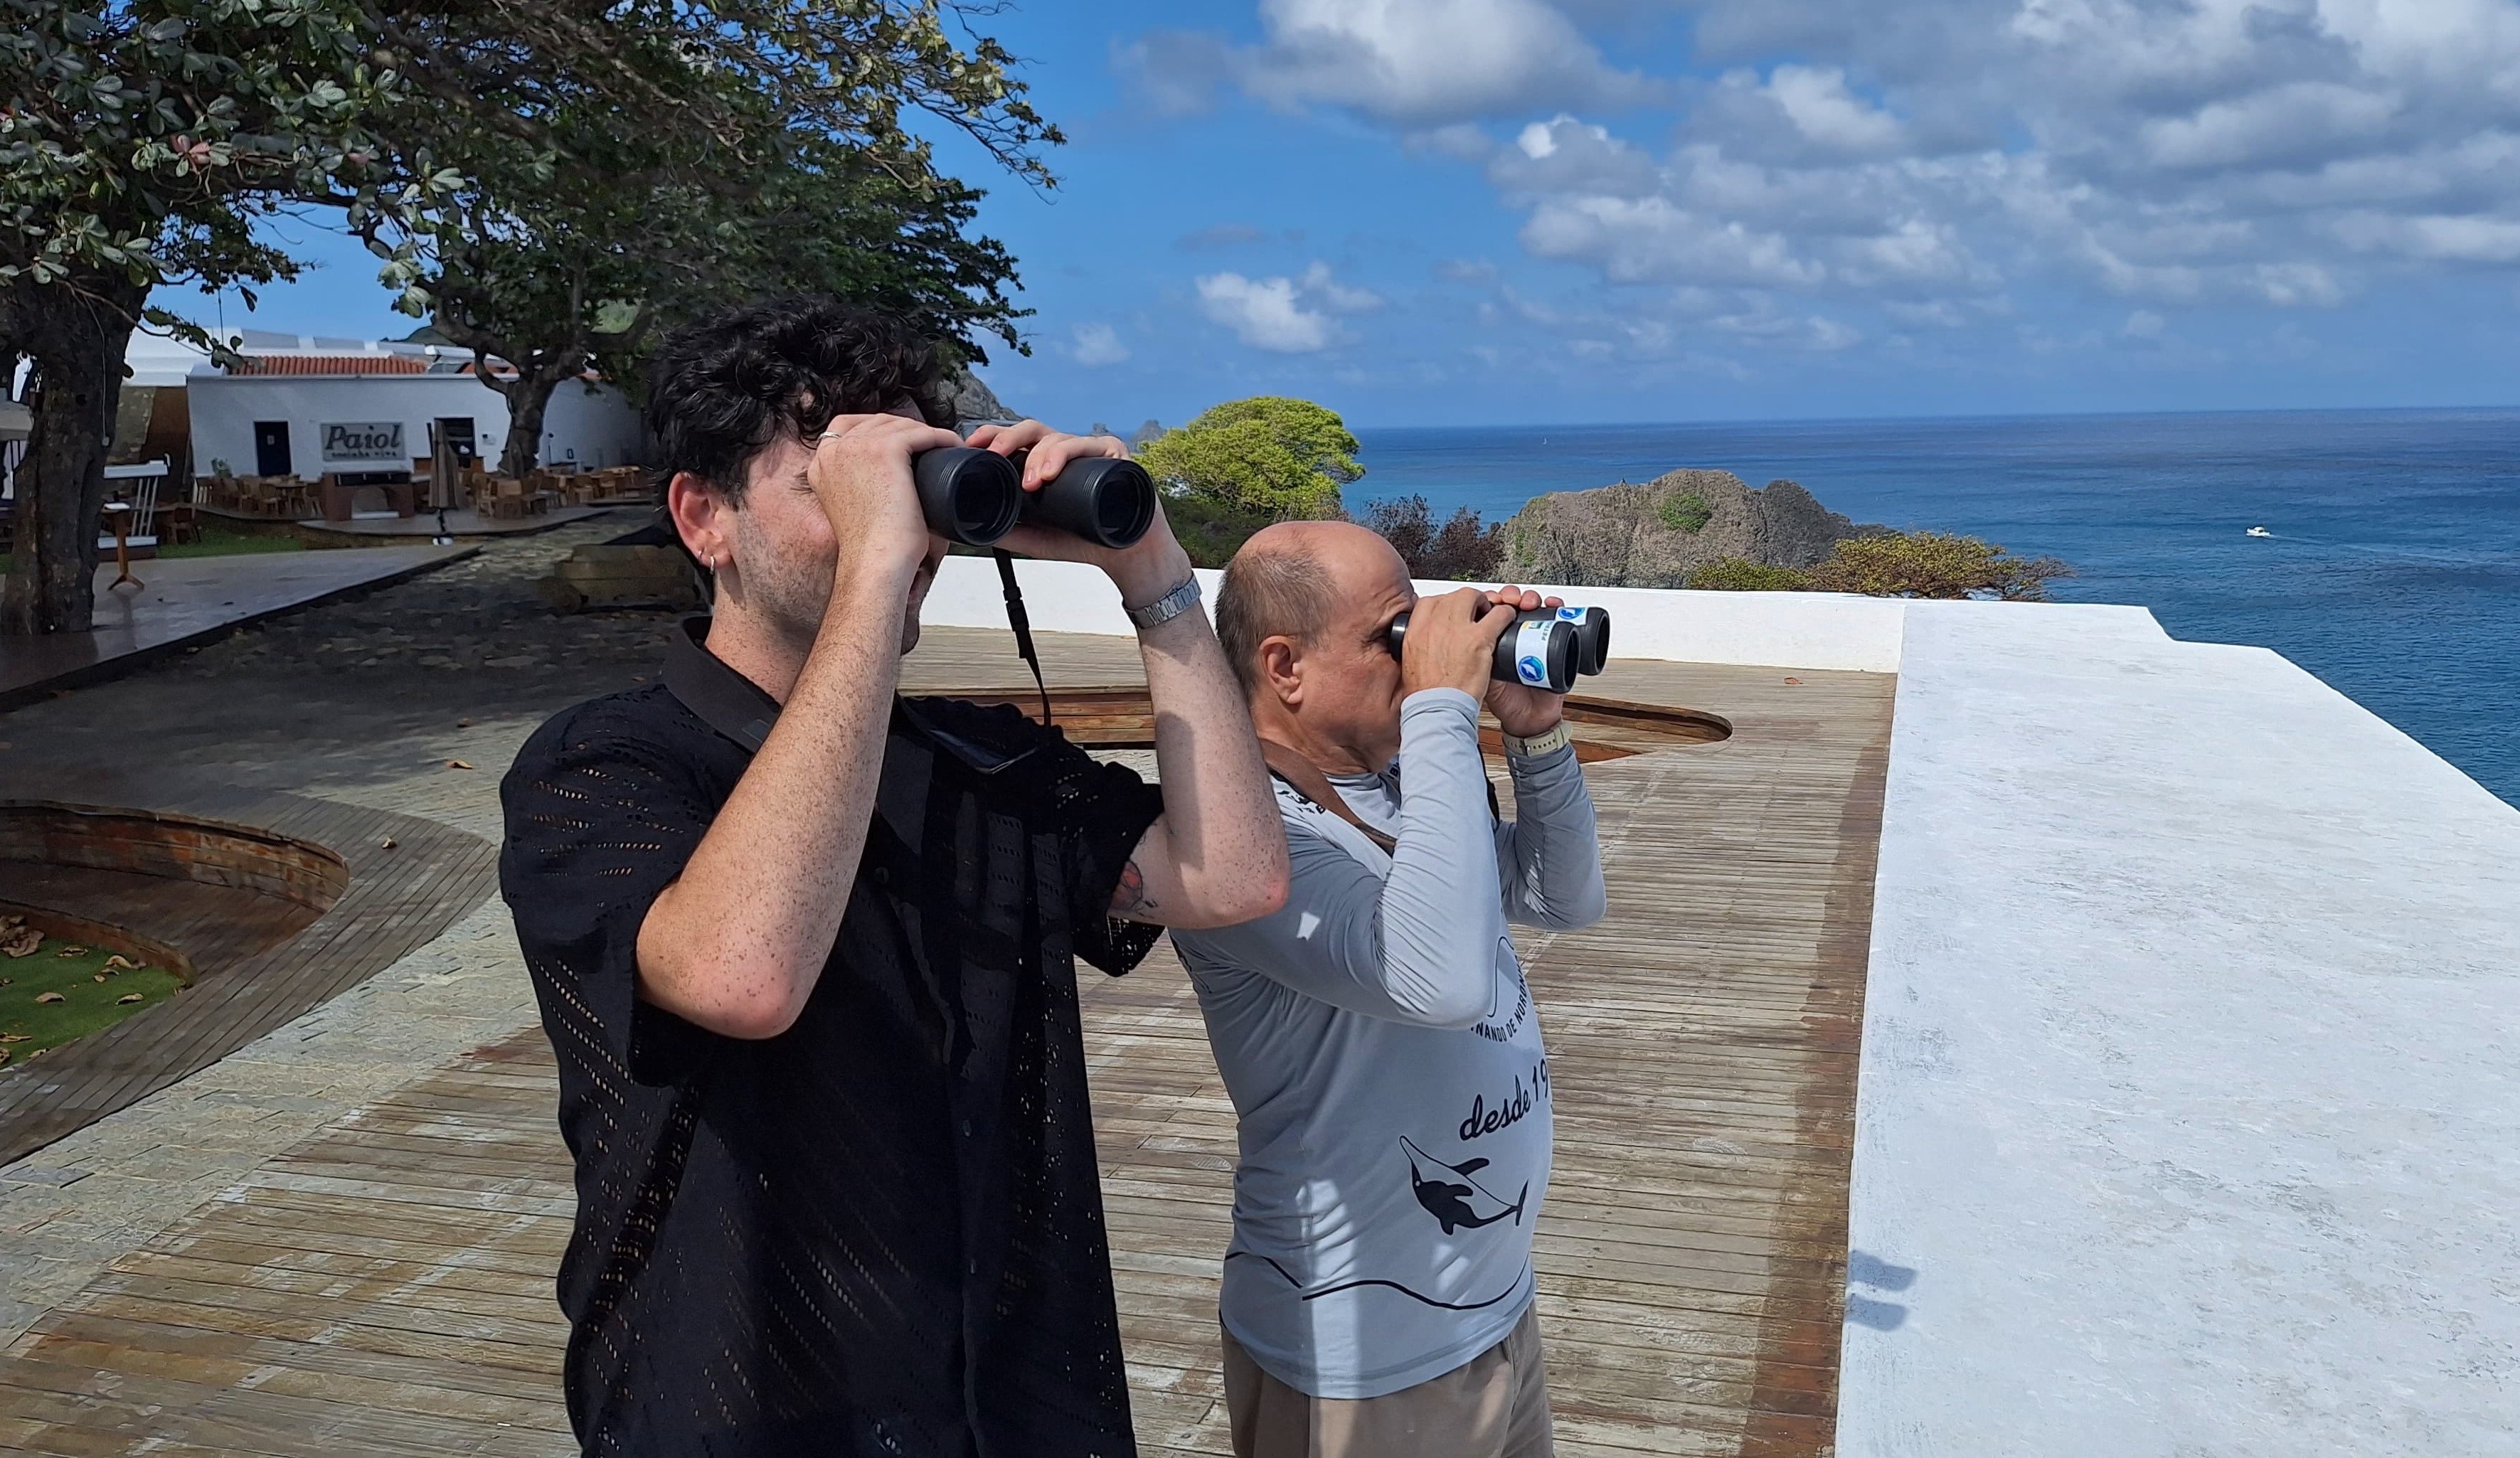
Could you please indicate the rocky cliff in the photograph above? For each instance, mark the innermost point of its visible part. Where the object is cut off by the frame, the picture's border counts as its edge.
(1654, 534)
(974, 404)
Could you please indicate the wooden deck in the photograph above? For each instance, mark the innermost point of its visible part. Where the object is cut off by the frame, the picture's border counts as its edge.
(256, 961)
(387, 1285)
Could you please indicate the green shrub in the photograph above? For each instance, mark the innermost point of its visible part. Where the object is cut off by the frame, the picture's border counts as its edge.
(1460, 549)
(1742, 575)
(1210, 530)
(1934, 564)
(1686, 512)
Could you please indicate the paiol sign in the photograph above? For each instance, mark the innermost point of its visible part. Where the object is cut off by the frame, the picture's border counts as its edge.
(364, 442)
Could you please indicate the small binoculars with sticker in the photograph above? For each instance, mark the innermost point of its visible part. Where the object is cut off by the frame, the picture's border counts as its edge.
(976, 496)
(1545, 648)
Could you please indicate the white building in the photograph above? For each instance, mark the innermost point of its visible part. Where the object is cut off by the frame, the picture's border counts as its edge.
(302, 407)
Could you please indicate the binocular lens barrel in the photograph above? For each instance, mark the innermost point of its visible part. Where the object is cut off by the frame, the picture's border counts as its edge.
(968, 495)
(1545, 648)
(1538, 650)
(976, 496)
(1591, 635)
(1101, 498)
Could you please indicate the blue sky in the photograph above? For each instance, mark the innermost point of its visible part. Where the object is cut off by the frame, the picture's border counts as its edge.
(1495, 212)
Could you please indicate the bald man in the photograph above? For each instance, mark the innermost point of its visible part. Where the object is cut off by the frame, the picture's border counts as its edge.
(1376, 1034)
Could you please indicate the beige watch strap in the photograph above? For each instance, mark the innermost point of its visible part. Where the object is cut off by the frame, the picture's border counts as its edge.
(1558, 737)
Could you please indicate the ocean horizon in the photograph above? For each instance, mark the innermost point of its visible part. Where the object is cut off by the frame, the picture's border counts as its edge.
(2392, 567)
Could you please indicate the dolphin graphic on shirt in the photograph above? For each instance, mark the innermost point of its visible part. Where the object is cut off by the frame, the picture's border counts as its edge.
(1455, 1205)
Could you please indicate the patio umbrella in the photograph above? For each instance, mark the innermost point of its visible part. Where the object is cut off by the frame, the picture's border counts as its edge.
(442, 469)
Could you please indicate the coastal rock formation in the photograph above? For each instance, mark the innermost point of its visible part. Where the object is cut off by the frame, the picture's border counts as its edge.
(1654, 534)
(974, 404)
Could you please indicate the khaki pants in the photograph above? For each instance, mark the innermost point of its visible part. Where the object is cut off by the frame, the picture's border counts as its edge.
(1495, 1405)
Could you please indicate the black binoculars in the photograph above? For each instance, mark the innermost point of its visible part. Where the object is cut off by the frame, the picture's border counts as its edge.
(976, 496)
(1545, 648)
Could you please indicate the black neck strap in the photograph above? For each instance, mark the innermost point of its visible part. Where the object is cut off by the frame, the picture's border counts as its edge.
(1023, 625)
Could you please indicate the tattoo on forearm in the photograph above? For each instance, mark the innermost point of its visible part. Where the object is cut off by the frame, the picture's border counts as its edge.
(1129, 899)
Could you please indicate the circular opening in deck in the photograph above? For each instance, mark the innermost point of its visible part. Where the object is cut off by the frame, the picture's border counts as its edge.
(1122, 718)
(172, 847)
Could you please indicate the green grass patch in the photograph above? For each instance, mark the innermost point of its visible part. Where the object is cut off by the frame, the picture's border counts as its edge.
(1687, 512)
(30, 1025)
(216, 541)
(228, 541)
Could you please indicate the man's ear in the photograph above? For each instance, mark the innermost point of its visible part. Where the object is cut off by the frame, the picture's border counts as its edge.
(1281, 668)
(702, 519)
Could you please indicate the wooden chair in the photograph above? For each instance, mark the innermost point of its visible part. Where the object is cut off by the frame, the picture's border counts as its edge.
(137, 486)
(179, 525)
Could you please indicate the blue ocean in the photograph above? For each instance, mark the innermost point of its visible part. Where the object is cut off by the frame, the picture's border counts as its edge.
(2393, 571)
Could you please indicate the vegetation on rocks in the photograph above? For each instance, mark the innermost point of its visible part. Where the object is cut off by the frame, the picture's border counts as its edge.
(1934, 564)
(1897, 563)
(1686, 512)
(1657, 533)
(1740, 574)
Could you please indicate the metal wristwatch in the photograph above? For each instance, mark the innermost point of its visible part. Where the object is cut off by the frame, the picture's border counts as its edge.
(1556, 736)
(1170, 606)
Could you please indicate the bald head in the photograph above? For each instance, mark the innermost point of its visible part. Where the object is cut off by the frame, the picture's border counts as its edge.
(1296, 578)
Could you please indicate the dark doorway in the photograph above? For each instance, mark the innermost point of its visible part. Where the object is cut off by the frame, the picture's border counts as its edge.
(271, 447)
(455, 437)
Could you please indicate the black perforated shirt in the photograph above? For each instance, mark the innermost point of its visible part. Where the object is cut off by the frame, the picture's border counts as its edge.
(879, 1232)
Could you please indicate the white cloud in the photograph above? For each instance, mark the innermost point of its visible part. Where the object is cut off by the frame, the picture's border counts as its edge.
(2144, 324)
(2307, 120)
(1286, 315)
(1653, 240)
(1099, 344)
(1263, 313)
(1426, 62)
(1930, 163)
(1335, 297)
(2457, 240)
(1822, 110)
(1938, 313)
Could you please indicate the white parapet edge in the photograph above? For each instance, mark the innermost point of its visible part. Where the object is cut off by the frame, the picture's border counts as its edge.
(1814, 631)
(2186, 1121)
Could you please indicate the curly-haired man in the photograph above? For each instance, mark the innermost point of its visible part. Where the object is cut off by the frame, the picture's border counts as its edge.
(804, 948)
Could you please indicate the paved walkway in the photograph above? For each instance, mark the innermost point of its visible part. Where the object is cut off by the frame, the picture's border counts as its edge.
(184, 600)
(462, 522)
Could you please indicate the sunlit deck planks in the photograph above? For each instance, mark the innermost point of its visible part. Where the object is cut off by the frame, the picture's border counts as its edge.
(386, 1285)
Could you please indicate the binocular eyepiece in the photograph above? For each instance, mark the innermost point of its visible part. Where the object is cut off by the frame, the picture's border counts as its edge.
(976, 496)
(1545, 648)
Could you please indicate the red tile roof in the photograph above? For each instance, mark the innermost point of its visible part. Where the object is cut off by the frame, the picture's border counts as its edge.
(331, 364)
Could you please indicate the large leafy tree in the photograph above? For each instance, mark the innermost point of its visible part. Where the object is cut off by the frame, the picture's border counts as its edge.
(143, 141)
(1271, 454)
(747, 147)
(140, 144)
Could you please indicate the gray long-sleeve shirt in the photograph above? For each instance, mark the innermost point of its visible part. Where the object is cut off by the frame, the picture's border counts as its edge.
(1382, 1051)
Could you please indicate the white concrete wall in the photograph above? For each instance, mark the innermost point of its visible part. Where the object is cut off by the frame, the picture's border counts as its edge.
(1807, 630)
(1779, 629)
(595, 427)
(2188, 1119)
(601, 428)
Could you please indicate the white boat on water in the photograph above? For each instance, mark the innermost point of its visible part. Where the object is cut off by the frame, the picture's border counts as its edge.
(2260, 531)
